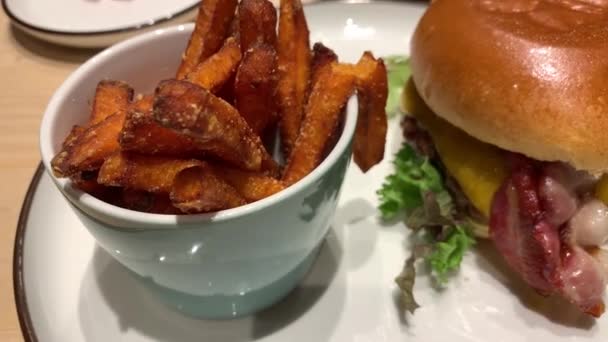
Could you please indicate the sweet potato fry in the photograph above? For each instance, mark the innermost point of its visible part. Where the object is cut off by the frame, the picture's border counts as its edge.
(198, 189)
(142, 103)
(372, 92)
(216, 70)
(257, 23)
(142, 134)
(327, 98)
(294, 56)
(212, 26)
(255, 87)
(90, 149)
(253, 186)
(322, 57)
(226, 93)
(147, 202)
(111, 97)
(213, 124)
(139, 172)
(87, 182)
(72, 137)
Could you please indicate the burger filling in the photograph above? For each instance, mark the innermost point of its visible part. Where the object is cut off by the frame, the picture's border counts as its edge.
(546, 219)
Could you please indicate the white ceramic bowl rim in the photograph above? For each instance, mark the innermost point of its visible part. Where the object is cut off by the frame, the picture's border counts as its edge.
(160, 220)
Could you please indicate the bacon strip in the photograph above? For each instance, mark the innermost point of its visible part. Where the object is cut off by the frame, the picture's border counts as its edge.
(528, 227)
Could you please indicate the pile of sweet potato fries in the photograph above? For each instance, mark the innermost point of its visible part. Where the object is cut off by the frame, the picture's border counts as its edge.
(200, 143)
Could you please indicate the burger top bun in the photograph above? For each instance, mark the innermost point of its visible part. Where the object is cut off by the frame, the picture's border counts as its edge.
(530, 76)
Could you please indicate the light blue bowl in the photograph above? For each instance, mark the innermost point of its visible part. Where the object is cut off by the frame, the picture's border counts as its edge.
(228, 264)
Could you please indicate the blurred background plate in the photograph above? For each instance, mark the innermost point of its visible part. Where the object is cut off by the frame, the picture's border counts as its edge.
(97, 23)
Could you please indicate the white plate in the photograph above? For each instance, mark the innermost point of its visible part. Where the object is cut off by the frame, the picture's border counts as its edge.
(67, 289)
(97, 23)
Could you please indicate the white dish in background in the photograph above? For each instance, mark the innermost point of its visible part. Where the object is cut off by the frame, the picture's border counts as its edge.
(90, 16)
(67, 289)
(97, 23)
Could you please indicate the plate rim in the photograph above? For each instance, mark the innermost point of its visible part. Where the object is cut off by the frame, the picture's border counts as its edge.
(130, 28)
(23, 313)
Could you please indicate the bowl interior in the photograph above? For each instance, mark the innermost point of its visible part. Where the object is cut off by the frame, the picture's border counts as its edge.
(142, 62)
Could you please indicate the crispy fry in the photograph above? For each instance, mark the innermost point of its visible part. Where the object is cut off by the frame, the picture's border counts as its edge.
(257, 23)
(87, 182)
(253, 186)
(255, 87)
(212, 26)
(138, 172)
(111, 97)
(233, 30)
(142, 134)
(147, 202)
(227, 91)
(85, 148)
(322, 57)
(198, 189)
(72, 137)
(326, 101)
(372, 92)
(142, 103)
(293, 49)
(213, 124)
(216, 70)
(88, 152)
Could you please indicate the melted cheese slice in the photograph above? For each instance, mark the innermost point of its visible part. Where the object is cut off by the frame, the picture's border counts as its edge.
(601, 189)
(479, 168)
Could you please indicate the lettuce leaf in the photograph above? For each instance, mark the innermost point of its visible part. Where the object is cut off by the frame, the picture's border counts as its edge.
(406, 281)
(447, 254)
(403, 190)
(398, 68)
(416, 188)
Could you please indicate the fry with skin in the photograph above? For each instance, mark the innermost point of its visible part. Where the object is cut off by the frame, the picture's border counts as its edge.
(216, 70)
(85, 146)
(147, 202)
(111, 97)
(322, 57)
(211, 28)
(294, 57)
(327, 98)
(253, 186)
(72, 137)
(372, 92)
(87, 182)
(213, 124)
(148, 173)
(199, 189)
(90, 149)
(90, 186)
(233, 30)
(142, 134)
(257, 23)
(255, 87)
(142, 103)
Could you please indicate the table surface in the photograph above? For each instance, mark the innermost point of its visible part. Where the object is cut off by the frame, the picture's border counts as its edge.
(30, 70)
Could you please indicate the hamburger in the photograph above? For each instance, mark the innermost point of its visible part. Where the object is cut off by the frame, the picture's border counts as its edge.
(508, 101)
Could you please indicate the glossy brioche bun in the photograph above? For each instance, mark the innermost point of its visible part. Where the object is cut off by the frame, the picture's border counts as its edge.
(529, 76)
